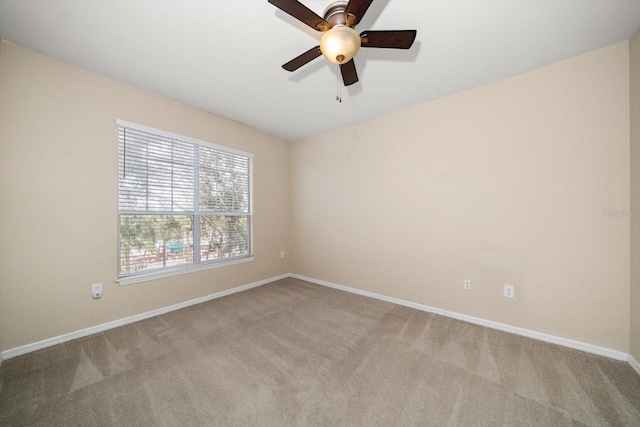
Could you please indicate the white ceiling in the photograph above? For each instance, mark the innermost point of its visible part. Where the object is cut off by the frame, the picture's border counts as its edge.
(225, 57)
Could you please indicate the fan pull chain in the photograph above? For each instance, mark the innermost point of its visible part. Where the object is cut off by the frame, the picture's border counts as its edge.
(338, 87)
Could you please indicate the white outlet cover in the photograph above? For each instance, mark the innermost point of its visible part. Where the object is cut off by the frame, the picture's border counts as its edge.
(96, 290)
(467, 285)
(509, 291)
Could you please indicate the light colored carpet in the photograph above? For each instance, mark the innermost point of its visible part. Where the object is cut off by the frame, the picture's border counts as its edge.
(294, 353)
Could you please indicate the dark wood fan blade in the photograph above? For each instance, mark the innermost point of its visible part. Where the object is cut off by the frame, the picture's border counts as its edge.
(302, 13)
(349, 73)
(402, 39)
(306, 57)
(355, 11)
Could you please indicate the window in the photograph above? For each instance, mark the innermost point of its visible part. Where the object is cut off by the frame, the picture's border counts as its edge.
(183, 204)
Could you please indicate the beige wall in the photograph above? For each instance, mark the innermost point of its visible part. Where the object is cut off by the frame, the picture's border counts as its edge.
(58, 189)
(634, 78)
(502, 184)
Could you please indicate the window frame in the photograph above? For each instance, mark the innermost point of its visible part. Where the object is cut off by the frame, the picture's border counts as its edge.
(162, 272)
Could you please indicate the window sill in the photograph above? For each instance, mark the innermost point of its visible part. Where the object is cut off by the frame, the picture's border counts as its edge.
(145, 277)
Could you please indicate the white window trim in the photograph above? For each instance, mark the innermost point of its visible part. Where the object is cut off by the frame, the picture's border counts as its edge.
(182, 269)
(177, 271)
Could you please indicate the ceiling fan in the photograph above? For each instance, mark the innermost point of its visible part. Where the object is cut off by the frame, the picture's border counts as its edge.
(340, 42)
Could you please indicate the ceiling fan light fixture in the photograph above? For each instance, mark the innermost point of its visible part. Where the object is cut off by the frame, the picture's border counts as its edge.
(340, 44)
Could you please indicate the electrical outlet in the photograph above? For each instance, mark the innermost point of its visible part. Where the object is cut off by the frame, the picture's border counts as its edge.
(509, 292)
(96, 290)
(467, 285)
(282, 254)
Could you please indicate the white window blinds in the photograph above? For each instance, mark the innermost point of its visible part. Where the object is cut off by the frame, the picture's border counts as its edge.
(224, 182)
(156, 173)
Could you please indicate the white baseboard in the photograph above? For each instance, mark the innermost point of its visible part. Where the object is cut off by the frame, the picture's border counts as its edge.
(634, 364)
(13, 352)
(590, 348)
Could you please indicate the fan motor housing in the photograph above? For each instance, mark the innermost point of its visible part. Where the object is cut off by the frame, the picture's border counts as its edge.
(334, 13)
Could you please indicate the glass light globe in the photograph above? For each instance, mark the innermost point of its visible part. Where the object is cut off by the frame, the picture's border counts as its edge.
(340, 44)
